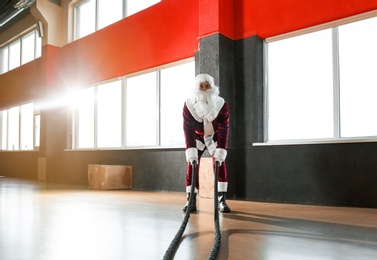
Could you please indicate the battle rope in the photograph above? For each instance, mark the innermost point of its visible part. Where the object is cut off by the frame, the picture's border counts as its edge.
(174, 243)
(217, 241)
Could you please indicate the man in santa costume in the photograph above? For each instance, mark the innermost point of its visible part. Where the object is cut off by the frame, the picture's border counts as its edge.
(206, 127)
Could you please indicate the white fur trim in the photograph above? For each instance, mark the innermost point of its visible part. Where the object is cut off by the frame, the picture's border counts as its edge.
(222, 186)
(220, 154)
(188, 189)
(200, 145)
(211, 145)
(191, 154)
(218, 105)
(190, 105)
(202, 78)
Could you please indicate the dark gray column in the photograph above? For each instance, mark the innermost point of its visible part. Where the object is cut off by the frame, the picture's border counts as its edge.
(249, 90)
(216, 58)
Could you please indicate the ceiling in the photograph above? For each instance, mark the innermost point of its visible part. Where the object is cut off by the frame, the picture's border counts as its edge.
(9, 14)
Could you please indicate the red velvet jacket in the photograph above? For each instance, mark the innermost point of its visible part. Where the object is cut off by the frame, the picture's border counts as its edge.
(194, 130)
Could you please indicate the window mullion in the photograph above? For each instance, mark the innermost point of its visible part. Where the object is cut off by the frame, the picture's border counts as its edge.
(73, 129)
(8, 59)
(8, 128)
(76, 23)
(19, 129)
(1, 61)
(35, 43)
(1, 130)
(21, 44)
(336, 82)
(124, 8)
(95, 117)
(7, 138)
(266, 100)
(96, 16)
(158, 110)
(123, 113)
(76, 126)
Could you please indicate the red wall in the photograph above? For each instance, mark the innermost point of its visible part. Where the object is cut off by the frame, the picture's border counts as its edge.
(164, 33)
(169, 31)
(216, 16)
(274, 17)
(22, 84)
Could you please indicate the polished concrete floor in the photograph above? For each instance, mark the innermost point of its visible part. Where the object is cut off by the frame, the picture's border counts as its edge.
(40, 221)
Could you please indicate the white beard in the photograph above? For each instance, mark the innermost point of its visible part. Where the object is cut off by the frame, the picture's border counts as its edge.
(204, 105)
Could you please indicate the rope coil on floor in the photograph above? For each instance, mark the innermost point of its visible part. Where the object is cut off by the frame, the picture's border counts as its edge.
(217, 240)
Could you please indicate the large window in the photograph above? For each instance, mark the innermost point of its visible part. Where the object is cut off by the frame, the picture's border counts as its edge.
(27, 127)
(19, 128)
(84, 118)
(172, 98)
(137, 111)
(322, 85)
(142, 110)
(93, 15)
(20, 51)
(358, 78)
(109, 123)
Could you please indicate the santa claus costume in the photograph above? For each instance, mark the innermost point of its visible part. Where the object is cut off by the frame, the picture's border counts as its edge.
(206, 127)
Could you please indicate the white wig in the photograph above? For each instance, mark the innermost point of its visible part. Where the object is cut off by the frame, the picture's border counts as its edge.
(202, 78)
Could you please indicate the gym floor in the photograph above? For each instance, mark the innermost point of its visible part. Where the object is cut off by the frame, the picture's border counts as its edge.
(42, 221)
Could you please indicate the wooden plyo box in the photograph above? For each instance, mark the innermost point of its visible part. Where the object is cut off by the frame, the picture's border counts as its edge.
(109, 177)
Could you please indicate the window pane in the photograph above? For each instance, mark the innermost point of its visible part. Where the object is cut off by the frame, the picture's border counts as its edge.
(85, 119)
(4, 129)
(38, 48)
(37, 130)
(300, 87)
(109, 11)
(4, 59)
(358, 78)
(13, 128)
(134, 6)
(85, 18)
(14, 55)
(175, 84)
(141, 110)
(28, 47)
(27, 115)
(109, 115)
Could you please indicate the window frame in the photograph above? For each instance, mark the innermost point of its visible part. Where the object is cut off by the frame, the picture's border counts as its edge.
(156, 109)
(72, 137)
(336, 85)
(20, 129)
(76, 16)
(20, 38)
